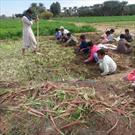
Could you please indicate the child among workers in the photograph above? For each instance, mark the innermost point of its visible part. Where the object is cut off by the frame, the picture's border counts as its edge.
(106, 63)
(93, 56)
(83, 46)
(72, 40)
(111, 36)
(123, 46)
(107, 40)
(108, 37)
(105, 37)
(128, 36)
(64, 33)
(58, 34)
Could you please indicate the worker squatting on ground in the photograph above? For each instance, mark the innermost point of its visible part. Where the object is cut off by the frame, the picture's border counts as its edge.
(106, 63)
(29, 40)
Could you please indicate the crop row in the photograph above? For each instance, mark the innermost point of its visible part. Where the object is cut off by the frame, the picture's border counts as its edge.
(12, 28)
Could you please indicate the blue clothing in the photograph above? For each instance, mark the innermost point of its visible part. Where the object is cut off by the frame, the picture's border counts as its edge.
(96, 59)
(84, 46)
(58, 35)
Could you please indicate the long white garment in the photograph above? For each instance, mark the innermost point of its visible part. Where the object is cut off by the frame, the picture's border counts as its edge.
(29, 39)
(110, 37)
(107, 65)
(107, 46)
(65, 32)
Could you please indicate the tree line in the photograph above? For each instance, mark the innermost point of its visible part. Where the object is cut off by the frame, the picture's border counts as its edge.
(108, 8)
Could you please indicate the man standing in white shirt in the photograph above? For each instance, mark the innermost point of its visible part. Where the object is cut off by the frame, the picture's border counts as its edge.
(106, 63)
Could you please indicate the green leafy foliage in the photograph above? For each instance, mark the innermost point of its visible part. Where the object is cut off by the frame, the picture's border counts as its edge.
(46, 15)
(12, 28)
(97, 19)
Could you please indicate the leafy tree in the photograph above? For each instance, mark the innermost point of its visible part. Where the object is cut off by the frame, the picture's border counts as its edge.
(84, 11)
(111, 8)
(75, 10)
(55, 8)
(46, 15)
(108, 8)
(123, 7)
(131, 9)
(18, 15)
(114, 7)
(97, 9)
(2, 16)
(37, 9)
(41, 5)
(64, 9)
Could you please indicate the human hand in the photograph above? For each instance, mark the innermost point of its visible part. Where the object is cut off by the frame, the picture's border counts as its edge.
(86, 61)
(37, 19)
(81, 50)
(102, 74)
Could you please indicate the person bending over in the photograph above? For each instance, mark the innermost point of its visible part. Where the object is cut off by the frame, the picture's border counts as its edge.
(107, 37)
(123, 46)
(83, 47)
(111, 36)
(58, 34)
(64, 33)
(128, 36)
(106, 63)
(72, 40)
(92, 53)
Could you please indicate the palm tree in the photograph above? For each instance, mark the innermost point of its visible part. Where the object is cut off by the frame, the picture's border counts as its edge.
(70, 11)
(75, 9)
(34, 5)
(64, 9)
(123, 5)
(41, 5)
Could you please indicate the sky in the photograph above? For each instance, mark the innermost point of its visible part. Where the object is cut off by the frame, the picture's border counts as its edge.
(10, 7)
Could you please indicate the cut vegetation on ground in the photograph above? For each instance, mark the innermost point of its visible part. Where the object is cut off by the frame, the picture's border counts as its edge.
(56, 93)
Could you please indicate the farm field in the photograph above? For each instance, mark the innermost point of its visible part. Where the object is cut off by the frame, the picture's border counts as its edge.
(100, 19)
(55, 92)
(12, 29)
(119, 23)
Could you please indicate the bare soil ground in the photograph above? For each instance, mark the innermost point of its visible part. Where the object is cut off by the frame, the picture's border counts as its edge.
(103, 120)
(111, 110)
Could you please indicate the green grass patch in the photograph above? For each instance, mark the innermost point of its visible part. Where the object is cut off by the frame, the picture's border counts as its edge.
(4, 91)
(12, 28)
(97, 19)
(56, 63)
